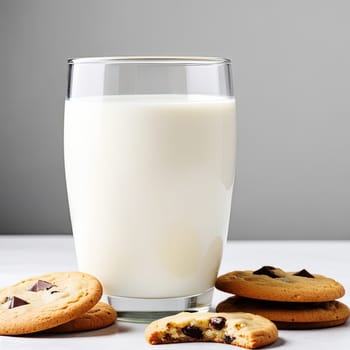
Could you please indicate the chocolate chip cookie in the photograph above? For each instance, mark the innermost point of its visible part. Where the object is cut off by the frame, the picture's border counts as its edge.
(241, 329)
(46, 301)
(270, 283)
(100, 316)
(290, 315)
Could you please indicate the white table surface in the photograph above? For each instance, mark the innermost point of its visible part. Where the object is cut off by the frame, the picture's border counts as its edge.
(24, 256)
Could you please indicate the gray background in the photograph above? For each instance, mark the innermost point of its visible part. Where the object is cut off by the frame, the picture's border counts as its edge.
(291, 64)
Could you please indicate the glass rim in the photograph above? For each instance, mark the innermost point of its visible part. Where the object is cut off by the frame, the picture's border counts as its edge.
(170, 60)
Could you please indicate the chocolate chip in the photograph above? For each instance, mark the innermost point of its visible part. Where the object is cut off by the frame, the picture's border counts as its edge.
(193, 332)
(41, 285)
(266, 270)
(167, 338)
(304, 273)
(15, 302)
(217, 322)
(229, 339)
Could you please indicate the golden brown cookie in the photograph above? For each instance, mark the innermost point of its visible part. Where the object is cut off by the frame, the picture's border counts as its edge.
(241, 329)
(46, 301)
(100, 316)
(309, 325)
(270, 283)
(290, 315)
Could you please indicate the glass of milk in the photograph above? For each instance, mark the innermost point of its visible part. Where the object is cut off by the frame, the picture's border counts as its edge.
(149, 147)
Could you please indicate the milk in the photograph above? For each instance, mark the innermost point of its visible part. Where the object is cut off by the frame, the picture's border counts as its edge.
(149, 182)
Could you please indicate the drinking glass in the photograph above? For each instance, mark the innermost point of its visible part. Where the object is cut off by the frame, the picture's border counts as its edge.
(149, 146)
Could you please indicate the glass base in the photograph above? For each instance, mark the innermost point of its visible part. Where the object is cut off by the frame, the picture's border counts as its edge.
(144, 310)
